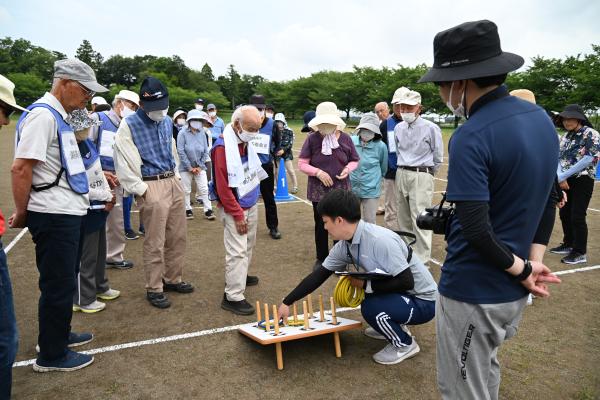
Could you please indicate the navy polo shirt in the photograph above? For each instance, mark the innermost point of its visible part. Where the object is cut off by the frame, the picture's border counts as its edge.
(506, 154)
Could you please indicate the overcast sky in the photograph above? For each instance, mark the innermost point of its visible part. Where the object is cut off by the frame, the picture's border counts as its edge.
(287, 39)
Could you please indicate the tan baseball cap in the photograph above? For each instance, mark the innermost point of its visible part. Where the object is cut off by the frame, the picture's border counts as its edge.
(7, 93)
(399, 94)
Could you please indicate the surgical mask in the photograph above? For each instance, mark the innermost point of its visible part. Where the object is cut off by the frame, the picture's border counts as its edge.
(126, 111)
(157, 115)
(199, 106)
(366, 135)
(269, 115)
(261, 113)
(326, 129)
(459, 111)
(196, 125)
(212, 113)
(181, 121)
(247, 136)
(408, 117)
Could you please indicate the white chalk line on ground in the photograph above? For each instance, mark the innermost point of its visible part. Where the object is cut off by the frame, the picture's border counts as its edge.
(208, 332)
(163, 339)
(15, 240)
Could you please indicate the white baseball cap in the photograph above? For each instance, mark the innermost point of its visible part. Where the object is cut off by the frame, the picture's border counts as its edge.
(129, 95)
(98, 100)
(398, 94)
(410, 97)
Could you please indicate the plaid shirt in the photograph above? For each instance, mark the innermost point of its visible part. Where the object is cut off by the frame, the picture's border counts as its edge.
(575, 145)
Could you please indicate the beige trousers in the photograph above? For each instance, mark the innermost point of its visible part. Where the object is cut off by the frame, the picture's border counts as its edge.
(390, 204)
(115, 231)
(238, 252)
(163, 214)
(414, 191)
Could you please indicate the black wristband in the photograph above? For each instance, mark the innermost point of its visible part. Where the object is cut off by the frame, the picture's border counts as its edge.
(527, 269)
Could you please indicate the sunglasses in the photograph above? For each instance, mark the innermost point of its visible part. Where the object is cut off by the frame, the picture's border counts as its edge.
(86, 91)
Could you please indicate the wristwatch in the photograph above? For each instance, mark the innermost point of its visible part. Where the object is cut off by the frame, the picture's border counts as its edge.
(527, 269)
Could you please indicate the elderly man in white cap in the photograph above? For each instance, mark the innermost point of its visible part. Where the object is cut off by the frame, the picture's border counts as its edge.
(8, 322)
(146, 165)
(389, 180)
(419, 153)
(50, 189)
(126, 103)
(99, 104)
(236, 186)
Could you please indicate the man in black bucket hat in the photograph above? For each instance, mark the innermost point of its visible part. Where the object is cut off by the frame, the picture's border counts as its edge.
(502, 165)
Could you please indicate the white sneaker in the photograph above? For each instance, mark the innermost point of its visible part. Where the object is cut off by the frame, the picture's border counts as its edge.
(372, 333)
(530, 299)
(110, 294)
(91, 308)
(391, 354)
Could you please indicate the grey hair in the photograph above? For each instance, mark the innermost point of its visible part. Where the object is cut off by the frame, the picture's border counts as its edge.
(238, 114)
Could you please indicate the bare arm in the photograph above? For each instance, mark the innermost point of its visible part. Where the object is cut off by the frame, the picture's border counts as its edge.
(22, 173)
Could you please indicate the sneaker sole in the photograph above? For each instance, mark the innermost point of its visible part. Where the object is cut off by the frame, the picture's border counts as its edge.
(132, 238)
(109, 266)
(565, 252)
(574, 262)
(235, 310)
(408, 355)
(108, 297)
(87, 311)
(39, 368)
(211, 218)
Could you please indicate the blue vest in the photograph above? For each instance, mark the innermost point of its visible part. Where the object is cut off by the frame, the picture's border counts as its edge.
(77, 182)
(267, 130)
(392, 157)
(107, 162)
(250, 199)
(95, 219)
(153, 141)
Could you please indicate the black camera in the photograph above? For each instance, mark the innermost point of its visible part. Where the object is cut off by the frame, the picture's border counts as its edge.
(436, 218)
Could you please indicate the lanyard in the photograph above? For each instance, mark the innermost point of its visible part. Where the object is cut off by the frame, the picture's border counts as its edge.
(349, 255)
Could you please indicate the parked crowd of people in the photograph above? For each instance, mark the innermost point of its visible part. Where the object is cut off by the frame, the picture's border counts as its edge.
(77, 174)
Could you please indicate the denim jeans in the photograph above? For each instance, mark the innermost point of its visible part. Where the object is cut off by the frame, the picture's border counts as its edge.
(8, 329)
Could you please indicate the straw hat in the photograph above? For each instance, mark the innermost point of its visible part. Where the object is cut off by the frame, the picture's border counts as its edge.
(6, 93)
(327, 113)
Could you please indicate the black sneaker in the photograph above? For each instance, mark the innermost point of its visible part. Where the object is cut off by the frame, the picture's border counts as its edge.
(181, 287)
(131, 235)
(210, 215)
(125, 264)
(189, 214)
(158, 300)
(241, 307)
(142, 231)
(275, 234)
(574, 258)
(251, 280)
(71, 361)
(561, 249)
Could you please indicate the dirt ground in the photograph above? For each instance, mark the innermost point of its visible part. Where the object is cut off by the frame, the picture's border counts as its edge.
(554, 356)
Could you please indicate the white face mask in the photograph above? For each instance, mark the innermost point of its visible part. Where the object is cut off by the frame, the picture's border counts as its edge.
(269, 115)
(196, 125)
(247, 136)
(459, 111)
(157, 115)
(181, 121)
(212, 113)
(408, 117)
(126, 111)
(199, 106)
(366, 135)
(326, 129)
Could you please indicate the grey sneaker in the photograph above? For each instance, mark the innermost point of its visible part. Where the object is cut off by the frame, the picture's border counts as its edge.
(574, 258)
(393, 355)
(94, 307)
(561, 249)
(372, 333)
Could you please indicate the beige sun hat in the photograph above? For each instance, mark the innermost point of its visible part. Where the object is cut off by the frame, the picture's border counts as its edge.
(399, 94)
(7, 93)
(410, 97)
(524, 94)
(129, 95)
(327, 113)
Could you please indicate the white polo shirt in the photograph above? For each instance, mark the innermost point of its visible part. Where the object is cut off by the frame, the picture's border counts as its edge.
(39, 141)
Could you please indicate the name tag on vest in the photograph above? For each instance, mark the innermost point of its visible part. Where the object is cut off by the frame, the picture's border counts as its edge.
(71, 153)
(107, 143)
(391, 142)
(251, 181)
(261, 143)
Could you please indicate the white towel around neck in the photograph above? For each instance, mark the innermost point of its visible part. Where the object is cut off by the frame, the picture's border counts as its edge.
(235, 168)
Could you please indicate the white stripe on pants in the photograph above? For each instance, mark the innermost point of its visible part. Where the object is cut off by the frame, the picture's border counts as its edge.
(414, 191)
(201, 188)
(238, 252)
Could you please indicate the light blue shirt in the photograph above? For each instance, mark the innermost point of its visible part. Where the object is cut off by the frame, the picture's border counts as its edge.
(373, 164)
(192, 148)
(217, 128)
(419, 144)
(374, 248)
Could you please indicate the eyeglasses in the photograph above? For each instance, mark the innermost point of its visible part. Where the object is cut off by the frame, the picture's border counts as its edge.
(86, 91)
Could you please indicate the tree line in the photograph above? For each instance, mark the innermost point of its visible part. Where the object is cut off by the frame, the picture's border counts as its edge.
(555, 82)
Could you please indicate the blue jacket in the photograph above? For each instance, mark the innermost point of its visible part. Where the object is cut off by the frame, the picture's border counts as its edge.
(373, 164)
(192, 149)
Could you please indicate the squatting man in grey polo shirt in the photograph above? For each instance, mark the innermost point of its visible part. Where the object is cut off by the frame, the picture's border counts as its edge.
(405, 297)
